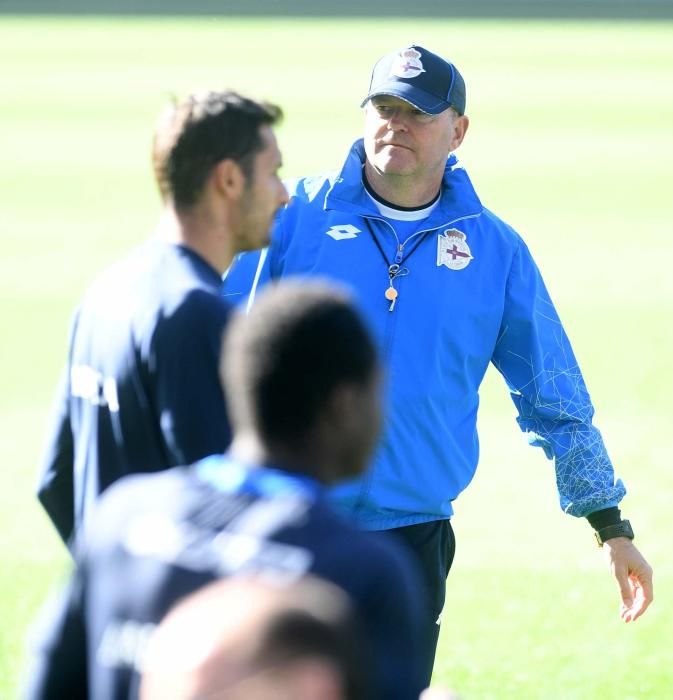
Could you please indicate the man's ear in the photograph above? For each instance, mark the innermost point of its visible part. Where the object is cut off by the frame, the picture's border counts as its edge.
(341, 402)
(460, 125)
(229, 179)
(334, 413)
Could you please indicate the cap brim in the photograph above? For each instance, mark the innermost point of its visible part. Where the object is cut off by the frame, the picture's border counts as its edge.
(409, 93)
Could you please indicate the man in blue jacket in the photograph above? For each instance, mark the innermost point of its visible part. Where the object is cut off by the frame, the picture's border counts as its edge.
(447, 287)
(140, 390)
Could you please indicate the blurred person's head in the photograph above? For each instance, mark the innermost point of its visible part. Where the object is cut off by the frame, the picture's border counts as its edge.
(301, 377)
(242, 638)
(216, 162)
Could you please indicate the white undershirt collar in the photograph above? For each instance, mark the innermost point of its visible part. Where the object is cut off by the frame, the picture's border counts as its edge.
(391, 212)
(403, 215)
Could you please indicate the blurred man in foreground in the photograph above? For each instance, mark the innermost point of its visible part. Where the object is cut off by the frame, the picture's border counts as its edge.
(245, 638)
(302, 383)
(140, 390)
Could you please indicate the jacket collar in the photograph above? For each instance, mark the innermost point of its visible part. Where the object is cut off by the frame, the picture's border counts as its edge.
(347, 193)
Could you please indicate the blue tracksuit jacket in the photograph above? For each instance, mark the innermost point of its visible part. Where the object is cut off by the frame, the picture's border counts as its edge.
(469, 293)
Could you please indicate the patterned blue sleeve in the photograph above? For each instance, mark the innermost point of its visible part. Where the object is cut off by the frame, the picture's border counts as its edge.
(534, 356)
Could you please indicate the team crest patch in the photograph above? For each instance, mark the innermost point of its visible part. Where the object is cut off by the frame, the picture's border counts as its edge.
(452, 250)
(407, 64)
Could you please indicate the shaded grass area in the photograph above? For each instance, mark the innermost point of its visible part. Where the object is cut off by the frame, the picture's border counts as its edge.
(570, 142)
(380, 9)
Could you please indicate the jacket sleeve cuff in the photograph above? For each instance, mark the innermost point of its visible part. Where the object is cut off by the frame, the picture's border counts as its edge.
(602, 518)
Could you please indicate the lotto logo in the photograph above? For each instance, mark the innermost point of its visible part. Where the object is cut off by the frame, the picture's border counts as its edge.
(340, 233)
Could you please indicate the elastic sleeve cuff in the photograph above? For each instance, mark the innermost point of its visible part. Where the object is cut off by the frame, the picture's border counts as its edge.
(605, 517)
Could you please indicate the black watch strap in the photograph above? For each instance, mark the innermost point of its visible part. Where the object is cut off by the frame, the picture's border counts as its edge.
(622, 529)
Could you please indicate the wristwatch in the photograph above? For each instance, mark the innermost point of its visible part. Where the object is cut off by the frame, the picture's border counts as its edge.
(622, 529)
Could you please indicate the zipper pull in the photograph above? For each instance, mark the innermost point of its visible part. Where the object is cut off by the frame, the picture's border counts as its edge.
(398, 255)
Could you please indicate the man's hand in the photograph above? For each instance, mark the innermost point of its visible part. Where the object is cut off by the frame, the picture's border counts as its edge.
(633, 575)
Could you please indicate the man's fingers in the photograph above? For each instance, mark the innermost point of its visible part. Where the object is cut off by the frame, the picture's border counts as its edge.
(633, 575)
(622, 576)
(645, 581)
(640, 592)
(644, 593)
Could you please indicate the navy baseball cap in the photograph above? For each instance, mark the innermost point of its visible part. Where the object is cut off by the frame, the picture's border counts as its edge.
(419, 77)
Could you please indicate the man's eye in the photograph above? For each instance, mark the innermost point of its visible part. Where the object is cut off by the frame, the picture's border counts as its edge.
(383, 109)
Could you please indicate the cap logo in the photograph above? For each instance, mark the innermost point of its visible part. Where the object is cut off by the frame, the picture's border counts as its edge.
(452, 250)
(407, 64)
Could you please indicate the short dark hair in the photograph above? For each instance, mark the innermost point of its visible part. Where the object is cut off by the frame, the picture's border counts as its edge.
(254, 626)
(281, 363)
(295, 634)
(195, 134)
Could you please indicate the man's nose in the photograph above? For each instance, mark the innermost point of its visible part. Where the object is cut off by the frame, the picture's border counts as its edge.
(397, 120)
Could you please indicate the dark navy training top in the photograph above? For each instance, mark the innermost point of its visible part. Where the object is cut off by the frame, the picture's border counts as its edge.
(155, 538)
(140, 390)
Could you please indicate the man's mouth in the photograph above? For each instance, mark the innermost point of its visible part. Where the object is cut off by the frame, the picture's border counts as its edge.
(383, 144)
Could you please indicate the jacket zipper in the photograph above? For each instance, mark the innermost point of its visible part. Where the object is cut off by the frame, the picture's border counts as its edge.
(390, 332)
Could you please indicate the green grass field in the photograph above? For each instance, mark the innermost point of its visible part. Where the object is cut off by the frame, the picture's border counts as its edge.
(571, 141)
